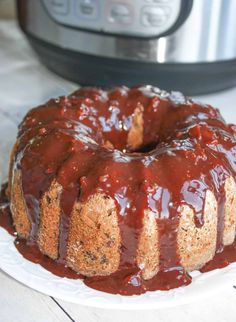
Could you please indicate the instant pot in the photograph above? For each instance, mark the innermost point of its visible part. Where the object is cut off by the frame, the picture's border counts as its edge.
(186, 45)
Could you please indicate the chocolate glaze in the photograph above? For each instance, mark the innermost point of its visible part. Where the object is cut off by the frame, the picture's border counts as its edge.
(187, 149)
(33, 254)
(5, 214)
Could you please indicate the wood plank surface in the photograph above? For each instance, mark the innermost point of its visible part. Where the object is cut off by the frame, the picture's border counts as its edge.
(19, 303)
(221, 308)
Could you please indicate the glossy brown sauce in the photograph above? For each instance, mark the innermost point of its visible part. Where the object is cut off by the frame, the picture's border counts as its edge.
(5, 214)
(33, 254)
(187, 149)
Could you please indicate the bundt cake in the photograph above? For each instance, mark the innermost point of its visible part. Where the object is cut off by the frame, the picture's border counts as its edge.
(131, 188)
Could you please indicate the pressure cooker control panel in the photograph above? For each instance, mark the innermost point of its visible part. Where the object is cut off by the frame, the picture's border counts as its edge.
(145, 18)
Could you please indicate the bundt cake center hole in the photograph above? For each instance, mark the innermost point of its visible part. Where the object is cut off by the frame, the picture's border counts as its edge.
(142, 149)
(145, 148)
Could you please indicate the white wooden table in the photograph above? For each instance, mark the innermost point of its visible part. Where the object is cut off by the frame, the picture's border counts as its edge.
(25, 83)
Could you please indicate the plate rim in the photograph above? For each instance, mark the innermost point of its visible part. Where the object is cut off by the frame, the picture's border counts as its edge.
(39, 279)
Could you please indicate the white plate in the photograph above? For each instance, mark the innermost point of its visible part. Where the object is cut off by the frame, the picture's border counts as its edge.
(36, 277)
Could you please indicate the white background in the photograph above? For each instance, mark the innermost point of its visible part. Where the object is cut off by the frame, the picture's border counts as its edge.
(25, 83)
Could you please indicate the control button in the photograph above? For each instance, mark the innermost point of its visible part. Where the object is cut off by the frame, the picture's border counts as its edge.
(120, 13)
(88, 9)
(59, 7)
(153, 16)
